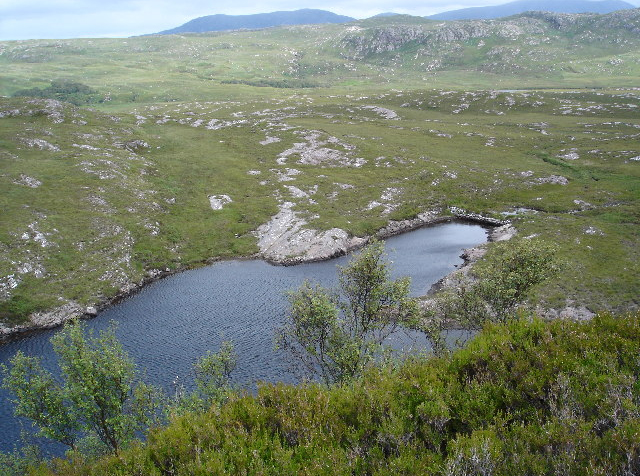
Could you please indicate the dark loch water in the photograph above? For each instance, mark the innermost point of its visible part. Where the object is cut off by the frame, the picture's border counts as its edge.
(170, 323)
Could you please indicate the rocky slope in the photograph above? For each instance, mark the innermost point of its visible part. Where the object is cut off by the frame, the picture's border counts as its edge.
(524, 37)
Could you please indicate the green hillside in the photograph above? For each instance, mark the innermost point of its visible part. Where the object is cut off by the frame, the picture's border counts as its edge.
(354, 124)
(529, 50)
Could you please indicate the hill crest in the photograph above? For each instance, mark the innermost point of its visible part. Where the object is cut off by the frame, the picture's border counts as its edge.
(521, 6)
(221, 22)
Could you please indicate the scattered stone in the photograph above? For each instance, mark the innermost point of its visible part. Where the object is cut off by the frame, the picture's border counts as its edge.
(502, 233)
(388, 200)
(316, 152)
(134, 145)
(592, 230)
(219, 201)
(553, 179)
(476, 217)
(296, 192)
(520, 211)
(84, 146)
(41, 144)
(344, 186)
(91, 311)
(28, 181)
(270, 140)
(583, 205)
(7, 283)
(27, 268)
(580, 313)
(36, 235)
(383, 112)
(571, 155)
(9, 113)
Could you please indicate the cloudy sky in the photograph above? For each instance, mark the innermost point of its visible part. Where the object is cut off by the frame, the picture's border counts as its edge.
(25, 19)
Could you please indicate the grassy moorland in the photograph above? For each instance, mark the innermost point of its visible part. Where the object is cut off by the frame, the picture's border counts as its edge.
(356, 124)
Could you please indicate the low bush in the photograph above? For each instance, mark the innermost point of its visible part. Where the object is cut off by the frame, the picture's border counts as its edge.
(527, 397)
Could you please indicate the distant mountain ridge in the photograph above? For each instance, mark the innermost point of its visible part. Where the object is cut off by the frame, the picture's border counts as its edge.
(261, 20)
(308, 16)
(521, 6)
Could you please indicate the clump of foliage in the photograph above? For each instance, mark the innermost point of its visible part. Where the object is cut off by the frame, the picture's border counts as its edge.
(100, 397)
(212, 379)
(17, 309)
(336, 334)
(100, 405)
(512, 269)
(524, 397)
(493, 291)
(64, 90)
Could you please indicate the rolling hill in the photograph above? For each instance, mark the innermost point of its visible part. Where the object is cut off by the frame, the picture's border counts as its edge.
(521, 6)
(260, 20)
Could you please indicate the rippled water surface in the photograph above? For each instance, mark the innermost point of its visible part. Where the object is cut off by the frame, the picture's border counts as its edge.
(172, 322)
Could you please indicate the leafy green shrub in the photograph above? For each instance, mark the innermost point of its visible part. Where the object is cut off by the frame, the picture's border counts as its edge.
(100, 396)
(212, 376)
(335, 335)
(499, 284)
(64, 90)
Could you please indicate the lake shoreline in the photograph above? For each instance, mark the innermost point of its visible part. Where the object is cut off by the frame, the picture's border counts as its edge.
(70, 310)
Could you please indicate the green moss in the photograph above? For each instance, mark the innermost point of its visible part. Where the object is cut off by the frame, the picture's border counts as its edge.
(17, 309)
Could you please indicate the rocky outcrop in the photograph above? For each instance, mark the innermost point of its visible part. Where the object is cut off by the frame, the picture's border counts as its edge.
(218, 202)
(45, 320)
(575, 313)
(423, 219)
(73, 310)
(363, 42)
(438, 42)
(285, 240)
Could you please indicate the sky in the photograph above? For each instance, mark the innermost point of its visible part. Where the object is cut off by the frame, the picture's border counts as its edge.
(29, 19)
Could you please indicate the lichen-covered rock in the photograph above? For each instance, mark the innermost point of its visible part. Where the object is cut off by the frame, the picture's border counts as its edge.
(218, 202)
(285, 240)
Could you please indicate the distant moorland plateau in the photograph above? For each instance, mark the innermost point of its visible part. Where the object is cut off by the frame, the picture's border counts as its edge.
(310, 16)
